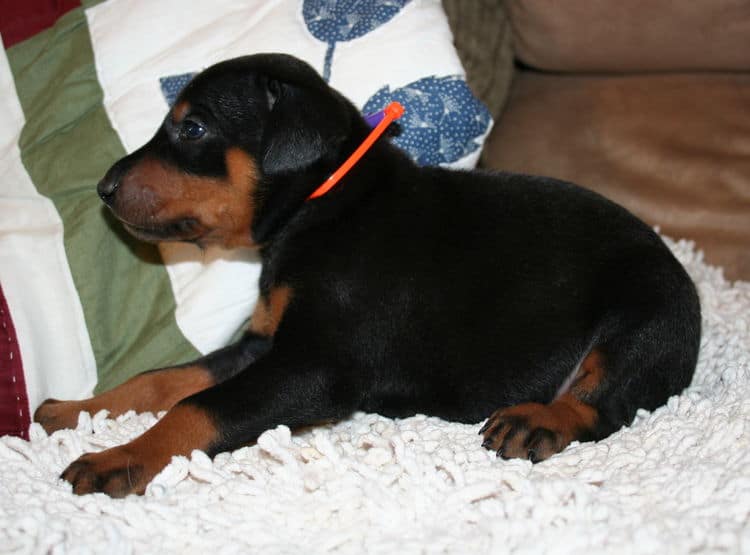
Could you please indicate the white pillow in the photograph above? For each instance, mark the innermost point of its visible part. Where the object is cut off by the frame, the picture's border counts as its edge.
(372, 50)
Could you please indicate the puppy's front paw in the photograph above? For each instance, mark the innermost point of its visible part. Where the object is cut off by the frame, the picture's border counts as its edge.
(55, 415)
(116, 472)
(528, 431)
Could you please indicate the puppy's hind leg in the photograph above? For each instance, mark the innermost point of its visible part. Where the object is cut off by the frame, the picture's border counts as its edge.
(537, 431)
(645, 349)
(637, 367)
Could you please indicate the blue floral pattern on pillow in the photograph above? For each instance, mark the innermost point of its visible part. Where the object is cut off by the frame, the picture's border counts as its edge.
(443, 121)
(333, 21)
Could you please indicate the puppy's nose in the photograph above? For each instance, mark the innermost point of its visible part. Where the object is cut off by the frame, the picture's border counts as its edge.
(108, 185)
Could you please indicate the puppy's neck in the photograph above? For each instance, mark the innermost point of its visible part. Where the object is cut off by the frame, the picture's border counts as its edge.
(381, 121)
(374, 177)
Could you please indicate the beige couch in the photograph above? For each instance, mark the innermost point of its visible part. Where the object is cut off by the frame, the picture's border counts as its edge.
(645, 101)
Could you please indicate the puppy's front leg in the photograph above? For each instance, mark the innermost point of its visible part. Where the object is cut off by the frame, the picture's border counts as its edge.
(226, 416)
(157, 390)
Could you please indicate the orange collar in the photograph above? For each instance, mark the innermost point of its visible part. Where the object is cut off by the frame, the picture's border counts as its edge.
(392, 112)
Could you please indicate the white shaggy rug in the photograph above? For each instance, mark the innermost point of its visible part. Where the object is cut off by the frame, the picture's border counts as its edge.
(676, 481)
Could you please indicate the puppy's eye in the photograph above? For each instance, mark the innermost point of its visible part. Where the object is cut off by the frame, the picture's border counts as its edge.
(191, 130)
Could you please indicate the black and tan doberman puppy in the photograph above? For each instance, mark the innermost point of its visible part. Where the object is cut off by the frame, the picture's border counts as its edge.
(534, 303)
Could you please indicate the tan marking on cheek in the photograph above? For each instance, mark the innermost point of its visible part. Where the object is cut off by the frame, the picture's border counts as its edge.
(224, 207)
(153, 192)
(270, 310)
(238, 208)
(180, 110)
(241, 169)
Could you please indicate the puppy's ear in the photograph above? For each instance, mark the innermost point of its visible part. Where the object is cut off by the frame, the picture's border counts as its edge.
(304, 126)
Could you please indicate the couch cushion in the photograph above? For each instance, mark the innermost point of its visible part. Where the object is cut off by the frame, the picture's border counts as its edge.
(675, 149)
(637, 35)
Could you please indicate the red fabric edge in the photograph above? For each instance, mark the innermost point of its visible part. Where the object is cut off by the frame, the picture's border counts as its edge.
(21, 19)
(15, 415)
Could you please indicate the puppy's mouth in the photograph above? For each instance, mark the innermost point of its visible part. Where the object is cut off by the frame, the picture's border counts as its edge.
(181, 229)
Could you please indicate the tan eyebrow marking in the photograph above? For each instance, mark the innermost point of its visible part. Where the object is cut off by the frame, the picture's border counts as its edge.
(180, 111)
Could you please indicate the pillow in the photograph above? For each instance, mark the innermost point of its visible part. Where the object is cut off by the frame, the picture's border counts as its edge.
(98, 306)
(638, 35)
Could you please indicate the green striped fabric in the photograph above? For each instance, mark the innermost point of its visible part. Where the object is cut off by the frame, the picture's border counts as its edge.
(66, 146)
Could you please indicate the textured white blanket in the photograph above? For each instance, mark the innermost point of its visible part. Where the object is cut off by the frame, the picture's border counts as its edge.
(676, 481)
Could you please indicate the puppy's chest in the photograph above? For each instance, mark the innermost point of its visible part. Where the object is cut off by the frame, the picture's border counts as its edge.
(270, 309)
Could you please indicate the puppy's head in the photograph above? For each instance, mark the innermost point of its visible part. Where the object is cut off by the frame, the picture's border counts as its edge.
(244, 145)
